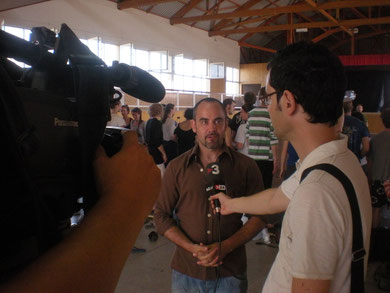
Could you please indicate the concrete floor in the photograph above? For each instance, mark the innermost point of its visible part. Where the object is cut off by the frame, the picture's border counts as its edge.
(149, 272)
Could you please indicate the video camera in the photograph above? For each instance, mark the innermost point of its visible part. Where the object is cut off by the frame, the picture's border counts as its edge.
(54, 116)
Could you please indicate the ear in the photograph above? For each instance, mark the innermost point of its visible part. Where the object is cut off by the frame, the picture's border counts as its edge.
(193, 125)
(289, 104)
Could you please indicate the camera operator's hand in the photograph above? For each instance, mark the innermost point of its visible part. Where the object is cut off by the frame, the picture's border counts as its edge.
(91, 258)
(132, 168)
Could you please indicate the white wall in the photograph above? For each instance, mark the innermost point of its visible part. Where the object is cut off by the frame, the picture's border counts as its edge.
(89, 18)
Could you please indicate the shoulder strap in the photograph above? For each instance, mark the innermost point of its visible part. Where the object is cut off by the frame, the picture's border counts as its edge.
(358, 251)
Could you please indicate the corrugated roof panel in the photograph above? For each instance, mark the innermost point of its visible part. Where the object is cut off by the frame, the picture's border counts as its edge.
(204, 25)
(194, 12)
(236, 37)
(167, 9)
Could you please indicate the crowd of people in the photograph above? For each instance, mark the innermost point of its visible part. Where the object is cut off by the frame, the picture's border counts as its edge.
(322, 247)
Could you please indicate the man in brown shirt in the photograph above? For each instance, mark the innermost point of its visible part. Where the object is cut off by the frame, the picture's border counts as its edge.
(184, 215)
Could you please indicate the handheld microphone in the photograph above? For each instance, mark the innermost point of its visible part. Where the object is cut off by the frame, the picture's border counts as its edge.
(214, 183)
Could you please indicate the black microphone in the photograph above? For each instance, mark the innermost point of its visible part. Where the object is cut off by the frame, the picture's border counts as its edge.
(137, 82)
(215, 183)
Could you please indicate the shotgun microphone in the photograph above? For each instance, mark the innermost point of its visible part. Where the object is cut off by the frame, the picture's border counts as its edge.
(214, 183)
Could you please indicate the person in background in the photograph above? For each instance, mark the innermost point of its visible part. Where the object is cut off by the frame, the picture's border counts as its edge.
(154, 137)
(306, 85)
(184, 216)
(91, 258)
(169, 126)
(358, 113)
(288, 160)
(262, 142)
(116, 120)
(379, 166)
(137, 124)
(236, 121)
(229, 105)
(184, 135)
(358, 134)
(125, 111)
(241, 140)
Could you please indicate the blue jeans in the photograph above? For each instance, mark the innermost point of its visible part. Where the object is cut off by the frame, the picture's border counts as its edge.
(184, 284)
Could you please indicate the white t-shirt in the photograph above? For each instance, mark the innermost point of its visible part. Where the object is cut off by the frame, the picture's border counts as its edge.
(241, 138)
(316, 236)
(116, 120)
(168, 128)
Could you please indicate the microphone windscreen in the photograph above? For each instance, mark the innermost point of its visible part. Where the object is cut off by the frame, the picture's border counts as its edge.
(137, 82)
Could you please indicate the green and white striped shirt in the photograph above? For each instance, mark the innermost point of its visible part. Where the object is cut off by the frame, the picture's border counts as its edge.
(260, 135)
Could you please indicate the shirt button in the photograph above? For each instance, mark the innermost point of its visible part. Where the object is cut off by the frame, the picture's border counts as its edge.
(201, 170)
(208, 232)
(209, 215)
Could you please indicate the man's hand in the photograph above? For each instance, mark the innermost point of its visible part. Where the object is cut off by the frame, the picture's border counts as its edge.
(225, 203)
(210, 256)
(132, 168)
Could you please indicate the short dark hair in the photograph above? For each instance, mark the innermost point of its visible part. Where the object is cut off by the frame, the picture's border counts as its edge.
(314, 75)
(249, 98)
(228, 101)
(126, 107)
(247, 108)
(114, 103)
(385, 115)
(208, 100)
(188, 113)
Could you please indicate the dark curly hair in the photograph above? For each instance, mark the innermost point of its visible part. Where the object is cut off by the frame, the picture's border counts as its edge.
(314, 75)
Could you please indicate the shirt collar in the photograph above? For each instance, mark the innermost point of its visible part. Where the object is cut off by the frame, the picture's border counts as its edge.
(194, 154)
(322, 152)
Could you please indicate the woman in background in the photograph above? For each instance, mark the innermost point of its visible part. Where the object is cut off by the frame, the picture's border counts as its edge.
(125, 111)
(184, 134)
(154, 137)
(169, 126)
(137, 124)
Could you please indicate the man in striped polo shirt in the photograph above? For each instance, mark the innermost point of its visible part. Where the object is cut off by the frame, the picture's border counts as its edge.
(262, 143)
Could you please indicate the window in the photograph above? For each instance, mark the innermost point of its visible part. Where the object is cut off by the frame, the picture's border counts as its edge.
(109, 53)
(217, 70)
(140, 58)
(159, 60)
(125, 53)
(20, 33)
(232, 81)
(200, 67)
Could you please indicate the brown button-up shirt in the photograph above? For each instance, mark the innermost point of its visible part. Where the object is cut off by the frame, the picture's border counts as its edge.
(184, 190)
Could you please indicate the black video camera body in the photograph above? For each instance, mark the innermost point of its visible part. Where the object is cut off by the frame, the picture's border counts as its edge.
(54, 116)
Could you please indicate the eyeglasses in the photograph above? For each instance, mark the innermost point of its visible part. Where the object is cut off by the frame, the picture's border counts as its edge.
(266, 98)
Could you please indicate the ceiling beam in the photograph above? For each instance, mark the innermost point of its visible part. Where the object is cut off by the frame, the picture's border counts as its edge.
(326, 34)
(365, 36)
(328, 16)
(281, 10)
(9, 5)
(317, 24)
(266, 23)
(241, 44)
(245, 6)
(186, 8)
(138, 3)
